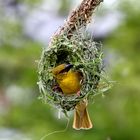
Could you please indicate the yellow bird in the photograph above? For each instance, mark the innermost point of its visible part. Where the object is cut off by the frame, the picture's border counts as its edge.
(70, 83)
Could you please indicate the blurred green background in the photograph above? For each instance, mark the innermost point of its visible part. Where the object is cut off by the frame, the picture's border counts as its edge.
(25, 28)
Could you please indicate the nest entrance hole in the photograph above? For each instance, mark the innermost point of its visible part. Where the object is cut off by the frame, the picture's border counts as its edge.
(62, 57)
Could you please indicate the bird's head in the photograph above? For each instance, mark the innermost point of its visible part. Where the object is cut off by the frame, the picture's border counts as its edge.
(61, 69)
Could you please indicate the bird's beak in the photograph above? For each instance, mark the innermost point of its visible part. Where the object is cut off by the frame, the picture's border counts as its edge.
(67, 68)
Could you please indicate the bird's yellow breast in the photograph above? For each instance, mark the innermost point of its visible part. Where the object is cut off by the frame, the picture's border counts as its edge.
(70, 83)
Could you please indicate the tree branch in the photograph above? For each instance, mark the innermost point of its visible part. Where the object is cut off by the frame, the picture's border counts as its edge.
(79, 17)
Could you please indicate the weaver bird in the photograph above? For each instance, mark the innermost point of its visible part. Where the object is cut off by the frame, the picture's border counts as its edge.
(70, 83)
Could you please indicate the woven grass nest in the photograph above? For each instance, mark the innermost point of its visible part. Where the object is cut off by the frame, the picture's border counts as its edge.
(85, 55)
